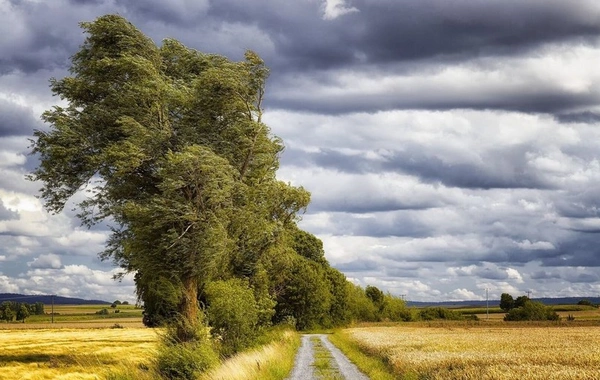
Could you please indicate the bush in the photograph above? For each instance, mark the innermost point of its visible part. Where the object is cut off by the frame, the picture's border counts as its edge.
(102, 312)
(585, 303)
(232, 314)
(431, 313)
(394, 309)
(532, 311)
(185, 361)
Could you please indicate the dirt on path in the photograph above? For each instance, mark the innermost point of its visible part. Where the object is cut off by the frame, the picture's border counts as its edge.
(318, 359)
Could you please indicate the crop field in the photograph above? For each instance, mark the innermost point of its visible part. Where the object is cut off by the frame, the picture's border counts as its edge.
(81, 316)
(487, 351)
(72, 353)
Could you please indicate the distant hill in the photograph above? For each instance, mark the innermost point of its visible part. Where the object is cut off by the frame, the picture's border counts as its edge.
(47, 299)
(494, 303)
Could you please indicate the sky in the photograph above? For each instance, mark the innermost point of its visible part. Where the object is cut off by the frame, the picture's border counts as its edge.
(450, 146)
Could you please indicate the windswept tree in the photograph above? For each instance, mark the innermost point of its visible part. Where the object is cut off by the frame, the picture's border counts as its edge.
(170, 146)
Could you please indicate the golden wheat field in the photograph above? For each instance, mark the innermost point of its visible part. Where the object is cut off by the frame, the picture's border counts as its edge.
(72, 353)
(494, 352)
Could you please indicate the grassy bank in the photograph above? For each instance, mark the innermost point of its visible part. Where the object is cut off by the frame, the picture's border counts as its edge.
(273, 359)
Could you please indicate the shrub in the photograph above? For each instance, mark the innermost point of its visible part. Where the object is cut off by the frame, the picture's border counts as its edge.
(394, 309)
(532, 311)
(185, 361)
(102, 312)
(431, 313)
(232, 314)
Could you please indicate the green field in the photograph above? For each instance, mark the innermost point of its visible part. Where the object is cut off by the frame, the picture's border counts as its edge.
(81, 314)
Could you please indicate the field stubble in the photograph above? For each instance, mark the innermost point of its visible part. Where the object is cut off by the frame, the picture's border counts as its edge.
(485, 352)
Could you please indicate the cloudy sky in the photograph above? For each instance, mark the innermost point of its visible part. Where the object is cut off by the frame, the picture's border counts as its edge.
(449, 146)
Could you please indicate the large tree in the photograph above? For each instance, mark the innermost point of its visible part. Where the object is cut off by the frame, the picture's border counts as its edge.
(170, 145)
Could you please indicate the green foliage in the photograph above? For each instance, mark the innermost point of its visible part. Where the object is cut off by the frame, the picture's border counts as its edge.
(360, 307)
(433, 313)
(305, 295)
(185, 361)
(232, 314)
(585, 302)
(171, 146)
(103, 312)
(7, 311)
(532, 311)
(307, 245)
(521, 301)
(375, 295)
(22, 312)
(394, 309)
(506, 302)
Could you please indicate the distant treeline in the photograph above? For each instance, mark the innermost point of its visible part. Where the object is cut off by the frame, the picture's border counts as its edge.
(10, 310)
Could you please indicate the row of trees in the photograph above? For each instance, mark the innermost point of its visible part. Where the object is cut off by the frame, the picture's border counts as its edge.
(20, 311)
(524, 309)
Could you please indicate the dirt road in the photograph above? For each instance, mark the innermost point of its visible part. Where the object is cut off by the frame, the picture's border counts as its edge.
(318, 358)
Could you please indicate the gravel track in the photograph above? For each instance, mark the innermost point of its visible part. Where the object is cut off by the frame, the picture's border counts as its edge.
(303, 366)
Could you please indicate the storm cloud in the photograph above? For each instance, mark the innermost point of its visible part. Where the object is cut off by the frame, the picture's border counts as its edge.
(450, 147)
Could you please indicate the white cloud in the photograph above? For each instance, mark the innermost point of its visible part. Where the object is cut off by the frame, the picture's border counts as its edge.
(463, 295)
(538, 245)
(333, 9)
(46, 261)
(7, 286)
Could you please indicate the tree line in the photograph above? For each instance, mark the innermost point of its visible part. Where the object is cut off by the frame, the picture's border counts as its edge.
(10, 310)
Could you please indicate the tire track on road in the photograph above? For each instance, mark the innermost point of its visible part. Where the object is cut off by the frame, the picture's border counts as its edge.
(341, 366)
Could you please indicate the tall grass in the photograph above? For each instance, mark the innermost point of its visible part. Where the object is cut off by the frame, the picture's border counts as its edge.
(273, 359)
(376, 367)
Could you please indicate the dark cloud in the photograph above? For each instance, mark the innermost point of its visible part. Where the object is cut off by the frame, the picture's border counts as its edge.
(502, 168)
(16, 120)
(586, 117)
(392, 31)
(545, 275)
(398, 224)
(581, 250)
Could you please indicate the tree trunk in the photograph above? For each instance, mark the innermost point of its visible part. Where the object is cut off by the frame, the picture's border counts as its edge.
(187, 328)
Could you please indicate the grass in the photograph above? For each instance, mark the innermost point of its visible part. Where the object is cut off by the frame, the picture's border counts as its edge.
(375, 367)
(73, 353)
(272, 360)
(518, 351)
(323, 361)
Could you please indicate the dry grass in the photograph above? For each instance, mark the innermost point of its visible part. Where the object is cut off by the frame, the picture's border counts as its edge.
(486, 352)
(72, 353)
(272, 361)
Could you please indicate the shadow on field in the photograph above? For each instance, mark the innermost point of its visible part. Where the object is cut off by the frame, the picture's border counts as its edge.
(52, 361)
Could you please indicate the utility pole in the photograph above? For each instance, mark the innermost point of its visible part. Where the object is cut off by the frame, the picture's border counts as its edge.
(528, 294)
(52, 312)
(403, 297)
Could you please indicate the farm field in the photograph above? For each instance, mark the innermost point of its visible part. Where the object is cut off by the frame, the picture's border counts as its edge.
(493, 350)
(81, 316)
(73, 353)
